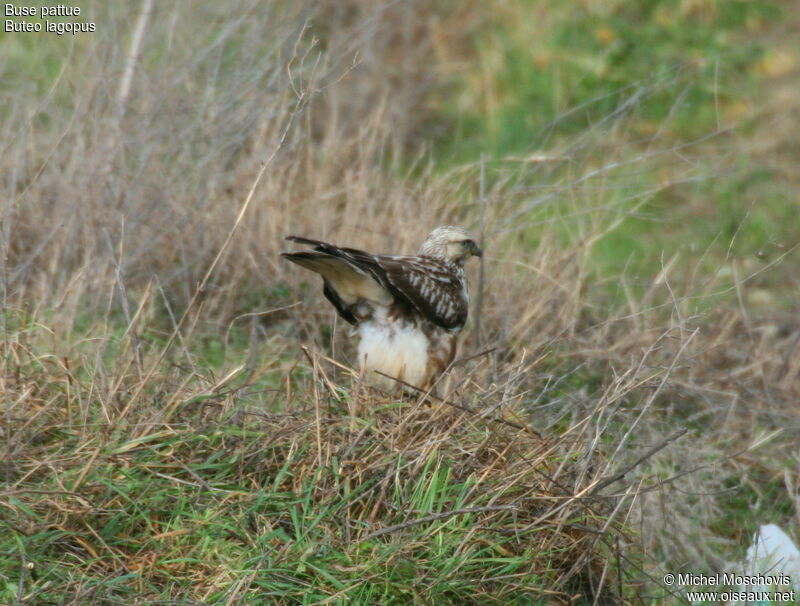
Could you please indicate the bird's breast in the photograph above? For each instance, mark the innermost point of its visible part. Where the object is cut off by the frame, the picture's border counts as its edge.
(397, 349)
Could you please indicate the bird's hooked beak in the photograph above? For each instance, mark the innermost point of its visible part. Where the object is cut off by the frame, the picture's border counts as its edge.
(473, 249)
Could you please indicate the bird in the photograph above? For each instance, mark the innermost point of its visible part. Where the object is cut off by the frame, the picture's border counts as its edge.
(407, 310)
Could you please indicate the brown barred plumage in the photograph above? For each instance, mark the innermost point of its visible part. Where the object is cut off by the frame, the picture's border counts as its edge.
(408, 309)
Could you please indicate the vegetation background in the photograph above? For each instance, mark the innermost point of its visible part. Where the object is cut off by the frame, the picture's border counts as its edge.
(179, 421)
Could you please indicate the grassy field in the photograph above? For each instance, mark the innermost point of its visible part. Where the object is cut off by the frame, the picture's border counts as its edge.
(181, 423)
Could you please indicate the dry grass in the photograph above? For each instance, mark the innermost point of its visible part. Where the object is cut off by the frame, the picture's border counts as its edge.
(166, 437)
(375, 491)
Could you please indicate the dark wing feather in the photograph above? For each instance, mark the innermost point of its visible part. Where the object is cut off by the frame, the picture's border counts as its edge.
(432, 287)
(337, 251)
(349, 276)
(333, 296)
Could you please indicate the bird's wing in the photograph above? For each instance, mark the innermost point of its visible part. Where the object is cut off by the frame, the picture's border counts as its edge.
(346, 280)
(421, 284)
(433, 288)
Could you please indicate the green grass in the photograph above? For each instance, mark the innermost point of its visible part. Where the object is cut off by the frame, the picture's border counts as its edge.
(534, 63)
(648, 76)
(198, 505)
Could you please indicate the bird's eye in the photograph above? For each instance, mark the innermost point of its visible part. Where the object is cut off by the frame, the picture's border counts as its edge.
(468, 243)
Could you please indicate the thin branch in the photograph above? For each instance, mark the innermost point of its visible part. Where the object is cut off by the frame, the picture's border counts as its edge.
(133, 56)
(649, 453)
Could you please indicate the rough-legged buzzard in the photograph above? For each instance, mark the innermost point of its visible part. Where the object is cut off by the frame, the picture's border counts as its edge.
(407, 310)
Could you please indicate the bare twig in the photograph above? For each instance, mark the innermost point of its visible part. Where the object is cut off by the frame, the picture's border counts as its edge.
(648, 453)
(133, 56)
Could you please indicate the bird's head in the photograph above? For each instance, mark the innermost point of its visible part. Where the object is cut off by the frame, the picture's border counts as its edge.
(450, 243)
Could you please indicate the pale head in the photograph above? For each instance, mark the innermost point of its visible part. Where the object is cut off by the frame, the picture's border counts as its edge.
(450, 243)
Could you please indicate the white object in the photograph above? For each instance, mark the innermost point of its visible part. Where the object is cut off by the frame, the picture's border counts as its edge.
(772, 564)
